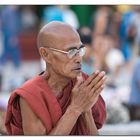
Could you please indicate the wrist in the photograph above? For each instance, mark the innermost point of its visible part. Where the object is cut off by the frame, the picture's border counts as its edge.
(87, 112)
(74, 110)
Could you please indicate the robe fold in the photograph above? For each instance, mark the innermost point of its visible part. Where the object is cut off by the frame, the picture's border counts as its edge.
(47, 107)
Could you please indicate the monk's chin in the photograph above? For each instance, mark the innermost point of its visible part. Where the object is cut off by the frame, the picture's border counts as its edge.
(75, 74)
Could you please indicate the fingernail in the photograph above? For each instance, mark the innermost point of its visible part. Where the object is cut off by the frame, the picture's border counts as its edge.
(97, 71)
(102, 73)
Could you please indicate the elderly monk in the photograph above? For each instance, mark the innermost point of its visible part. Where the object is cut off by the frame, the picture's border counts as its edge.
(62, 100)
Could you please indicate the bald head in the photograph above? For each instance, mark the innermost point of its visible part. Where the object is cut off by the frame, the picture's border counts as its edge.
(54, 33)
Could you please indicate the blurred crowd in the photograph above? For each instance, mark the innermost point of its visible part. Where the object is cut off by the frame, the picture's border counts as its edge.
(112, 41)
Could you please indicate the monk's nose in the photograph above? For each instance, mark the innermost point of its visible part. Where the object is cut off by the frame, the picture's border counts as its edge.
(78, 58)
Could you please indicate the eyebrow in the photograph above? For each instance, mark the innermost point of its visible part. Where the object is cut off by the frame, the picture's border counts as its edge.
(81, 46)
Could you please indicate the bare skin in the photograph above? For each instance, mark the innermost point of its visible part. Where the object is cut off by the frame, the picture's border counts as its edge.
(60, 70)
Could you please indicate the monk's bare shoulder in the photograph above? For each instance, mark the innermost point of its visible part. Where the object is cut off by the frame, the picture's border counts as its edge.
(30, 122)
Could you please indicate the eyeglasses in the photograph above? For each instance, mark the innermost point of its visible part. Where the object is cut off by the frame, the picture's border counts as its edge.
(72, 52)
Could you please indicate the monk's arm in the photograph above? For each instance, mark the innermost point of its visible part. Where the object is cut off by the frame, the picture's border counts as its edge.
(90, 123)
(30, 123)
(33, 125)
(66, 122)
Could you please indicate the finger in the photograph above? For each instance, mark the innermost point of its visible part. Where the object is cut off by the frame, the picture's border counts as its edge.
(99, 77)
(99, 90)
(90, 78)
(99, 83)
(93, 91)
(97, 93)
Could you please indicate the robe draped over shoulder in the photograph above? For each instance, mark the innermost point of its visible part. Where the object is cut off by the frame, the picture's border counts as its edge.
(47, 107)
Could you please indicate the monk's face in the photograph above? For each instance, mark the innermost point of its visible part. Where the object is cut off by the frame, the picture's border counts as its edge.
(60, 62)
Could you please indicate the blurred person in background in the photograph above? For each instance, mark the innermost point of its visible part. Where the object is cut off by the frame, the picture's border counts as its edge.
(88, 59)
(114, 59)
(126, 34)
(134, 99)
(60, 13)
(116, 20)
(69, 16)
(134, 29)
(105, 54)
(10, 27)
(102, 20)
(1, 103)
(62, 100)
(10, 34)
(1, 48)
(51, 13)
(29, 19)
(99, 51)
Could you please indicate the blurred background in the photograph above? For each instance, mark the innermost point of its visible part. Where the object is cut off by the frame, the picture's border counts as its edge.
(111, 34)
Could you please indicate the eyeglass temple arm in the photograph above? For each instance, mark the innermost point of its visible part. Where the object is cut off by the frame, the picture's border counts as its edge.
(58, 50)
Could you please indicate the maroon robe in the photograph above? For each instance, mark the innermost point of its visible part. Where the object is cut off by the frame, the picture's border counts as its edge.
(47, 107)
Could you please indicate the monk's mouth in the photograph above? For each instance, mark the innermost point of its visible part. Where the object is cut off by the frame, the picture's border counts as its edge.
(77, 69)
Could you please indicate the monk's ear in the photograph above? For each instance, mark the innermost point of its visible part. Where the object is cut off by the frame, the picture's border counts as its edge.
(44, 52)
